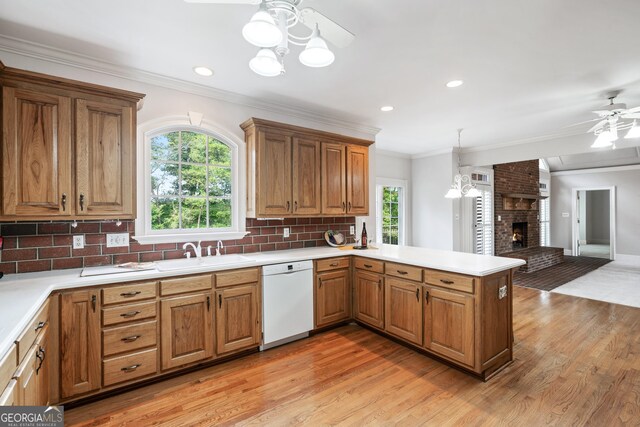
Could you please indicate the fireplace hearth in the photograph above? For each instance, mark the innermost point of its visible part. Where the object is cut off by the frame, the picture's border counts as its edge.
(519, 235)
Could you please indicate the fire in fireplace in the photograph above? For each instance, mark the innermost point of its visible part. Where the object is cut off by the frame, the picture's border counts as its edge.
(519, 235)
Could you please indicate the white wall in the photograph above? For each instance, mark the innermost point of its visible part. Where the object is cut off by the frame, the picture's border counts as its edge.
(433, 215)
(397, 166)
(624, 178)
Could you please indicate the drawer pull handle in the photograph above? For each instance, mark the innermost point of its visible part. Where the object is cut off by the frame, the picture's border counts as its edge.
(288, 205)
(379, 283)
(426, 296)
(94, 300)
(81, 202)
(130, 313)
(368, 266)
(402, 272)
(447, 282)
(130, 294)
(349, 210)
(344, 207)
(132, 338)
(333, 264)
(131, 368)
(40, 326)
(219, 300)
(64, 201)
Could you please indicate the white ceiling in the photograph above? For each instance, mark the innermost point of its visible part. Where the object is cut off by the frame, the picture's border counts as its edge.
(531, 68)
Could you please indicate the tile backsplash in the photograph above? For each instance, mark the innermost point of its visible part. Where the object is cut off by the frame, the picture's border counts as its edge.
(43, 246)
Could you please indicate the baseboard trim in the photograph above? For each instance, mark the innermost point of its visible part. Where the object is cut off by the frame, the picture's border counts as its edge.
(628, 259)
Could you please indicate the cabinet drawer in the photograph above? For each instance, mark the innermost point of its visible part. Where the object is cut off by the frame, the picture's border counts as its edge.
(183, 285)
(449, 280)
(405, 271)
(29, 335)
(8, 365)
(332, 264)
(236, 277)
(127, 293)
(130, 367)
(9, 396)
(129, 338)
(369, 265)
(128, 313)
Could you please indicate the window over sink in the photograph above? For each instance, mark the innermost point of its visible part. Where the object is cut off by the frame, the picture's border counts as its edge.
(189, 186)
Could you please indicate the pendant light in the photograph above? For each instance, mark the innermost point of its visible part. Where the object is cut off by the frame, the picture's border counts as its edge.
(265, 63)
(262, 30)
(316, 54)
(462, 184)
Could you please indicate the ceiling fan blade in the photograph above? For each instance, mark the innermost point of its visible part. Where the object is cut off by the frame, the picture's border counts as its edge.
(598, 125)
(224, 1)
(633, 110)
(581, 123)
(631, 116)
(337, 35)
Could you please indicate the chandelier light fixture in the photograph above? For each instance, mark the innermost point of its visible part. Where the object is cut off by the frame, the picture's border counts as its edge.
(269, 29)
(462, 184)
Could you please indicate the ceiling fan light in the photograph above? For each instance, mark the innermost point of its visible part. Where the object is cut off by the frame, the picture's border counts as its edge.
(604, 139)
(262, 30)
(453, 193)
(634, 132)
(265, 63)
(316, 54)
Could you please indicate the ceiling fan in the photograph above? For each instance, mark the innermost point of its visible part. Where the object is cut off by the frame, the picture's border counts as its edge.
(611, 120)
(269, 29)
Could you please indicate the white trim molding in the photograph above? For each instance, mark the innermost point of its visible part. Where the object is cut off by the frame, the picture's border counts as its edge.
(597, 170)
(612, 219)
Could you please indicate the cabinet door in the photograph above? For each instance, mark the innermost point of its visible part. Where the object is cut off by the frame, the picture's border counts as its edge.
(42, 367)
(36, 154)
(448, 323)
(357, 180)
(105, 159)
(403, 309)
(369, 298)
(306, 177)
(332, 297)
(237, 318)
(186, 330)
(274, 176)
(27, 379)
(334, 175)
(80, 367)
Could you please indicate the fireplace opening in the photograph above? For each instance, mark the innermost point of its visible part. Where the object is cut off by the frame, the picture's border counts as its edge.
(519, 235)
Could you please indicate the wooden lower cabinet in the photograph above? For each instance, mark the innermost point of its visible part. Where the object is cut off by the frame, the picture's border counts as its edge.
(32, 375)
(332, 297)
(449, 324)
(237, 318)
(186, 326)
(403, 309)
(369, 298)
(9, 396)
(80, 367)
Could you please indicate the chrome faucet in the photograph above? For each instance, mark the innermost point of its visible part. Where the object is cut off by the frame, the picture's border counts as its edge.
(196, 249)
(218, 247)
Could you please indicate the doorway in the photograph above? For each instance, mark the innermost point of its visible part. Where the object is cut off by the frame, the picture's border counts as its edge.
(594, 222)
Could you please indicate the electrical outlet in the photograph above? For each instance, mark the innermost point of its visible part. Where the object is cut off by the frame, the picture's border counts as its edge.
(499, 217)
(352, 230)
(286, 232)
(78, 241)
(117, 240)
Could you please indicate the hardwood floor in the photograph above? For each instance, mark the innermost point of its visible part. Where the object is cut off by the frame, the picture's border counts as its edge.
(577, 362)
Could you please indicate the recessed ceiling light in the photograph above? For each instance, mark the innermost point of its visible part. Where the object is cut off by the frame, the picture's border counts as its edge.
(386, 108)
(455, 83)
(203, 71)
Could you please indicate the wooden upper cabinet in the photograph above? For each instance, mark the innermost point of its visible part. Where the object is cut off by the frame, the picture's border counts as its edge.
(334, 179)
(306, 177)
(295, 171)
(36, 154)
(105, 161)
(41, 149)
(274, 176)
(357, 180)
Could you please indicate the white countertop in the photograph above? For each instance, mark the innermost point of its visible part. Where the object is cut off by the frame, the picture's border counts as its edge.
(21, 295)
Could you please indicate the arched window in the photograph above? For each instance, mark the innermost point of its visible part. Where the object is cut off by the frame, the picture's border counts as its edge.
(191, 186)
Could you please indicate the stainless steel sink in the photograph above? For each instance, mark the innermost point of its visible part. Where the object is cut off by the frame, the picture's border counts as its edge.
(218, 261)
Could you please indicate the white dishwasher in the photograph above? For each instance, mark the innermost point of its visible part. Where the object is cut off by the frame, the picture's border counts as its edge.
(287, 302)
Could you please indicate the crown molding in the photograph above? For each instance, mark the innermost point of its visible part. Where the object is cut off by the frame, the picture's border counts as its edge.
(395, 154)
(446, 150)
(75, 60)
(597, 170)
(524, 141)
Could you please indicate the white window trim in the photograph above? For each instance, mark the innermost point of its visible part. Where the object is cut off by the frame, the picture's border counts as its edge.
(402, 226)
(144, 234)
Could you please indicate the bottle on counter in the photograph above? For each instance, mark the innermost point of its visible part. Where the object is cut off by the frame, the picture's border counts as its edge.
(363, 236)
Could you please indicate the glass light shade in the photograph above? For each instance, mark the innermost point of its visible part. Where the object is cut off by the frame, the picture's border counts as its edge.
(316, 54)
(634, 132)
(265, 63)
(605, 139)
(473, 192)
(453, 193)
(262, 30)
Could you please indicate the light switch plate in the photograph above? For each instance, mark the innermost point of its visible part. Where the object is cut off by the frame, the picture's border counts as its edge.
(78, 241)
(117, 240)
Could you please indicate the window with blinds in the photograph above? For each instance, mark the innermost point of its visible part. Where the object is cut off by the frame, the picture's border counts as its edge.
(544, 222)
(483, 225)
